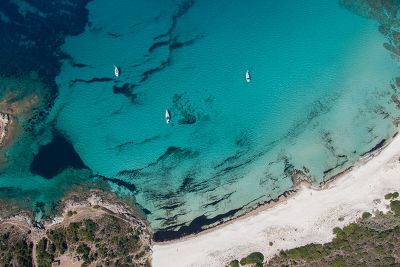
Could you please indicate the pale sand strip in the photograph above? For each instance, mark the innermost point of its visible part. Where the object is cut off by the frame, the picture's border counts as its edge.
(308, 216)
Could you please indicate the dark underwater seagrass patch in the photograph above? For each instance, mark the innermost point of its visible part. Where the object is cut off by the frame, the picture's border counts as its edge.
(55, 157)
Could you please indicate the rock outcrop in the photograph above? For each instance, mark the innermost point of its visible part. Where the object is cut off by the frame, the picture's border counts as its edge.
(5, 121)
(90, 228)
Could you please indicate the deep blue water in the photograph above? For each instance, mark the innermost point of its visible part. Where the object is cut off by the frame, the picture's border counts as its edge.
(320, 97)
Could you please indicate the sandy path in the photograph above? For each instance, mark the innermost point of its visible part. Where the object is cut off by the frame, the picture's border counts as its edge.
(308, 216)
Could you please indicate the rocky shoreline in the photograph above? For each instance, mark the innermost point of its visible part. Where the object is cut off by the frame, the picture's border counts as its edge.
(89, 227)
(97, 199)
(5, 121)
(21, 101)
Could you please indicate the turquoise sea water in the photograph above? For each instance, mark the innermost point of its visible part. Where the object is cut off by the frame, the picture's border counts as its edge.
(319, 98)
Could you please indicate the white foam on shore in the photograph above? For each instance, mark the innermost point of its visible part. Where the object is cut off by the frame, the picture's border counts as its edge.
(309, 216)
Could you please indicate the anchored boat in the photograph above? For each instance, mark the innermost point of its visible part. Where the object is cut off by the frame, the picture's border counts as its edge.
(248, 78)
(167, 116)
(116, 71)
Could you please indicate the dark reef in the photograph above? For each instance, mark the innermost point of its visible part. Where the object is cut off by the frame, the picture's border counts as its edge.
(126, 90)
(131, 187)
(376, 147)
(194, 227)
(32, 39)
(174, 154)
(55, 157)
(147, 140)
(146, 74)
(171, 43)
(93, 80)
(201, 223)
(217, 201)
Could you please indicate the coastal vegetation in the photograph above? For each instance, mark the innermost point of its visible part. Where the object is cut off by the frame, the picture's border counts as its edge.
(253, 259)
(256, 258)
(371, 241)
(105, 234)
(104, 241)
(15, 247)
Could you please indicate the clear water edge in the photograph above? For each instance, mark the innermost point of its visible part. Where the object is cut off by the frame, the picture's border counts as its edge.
(303, 104)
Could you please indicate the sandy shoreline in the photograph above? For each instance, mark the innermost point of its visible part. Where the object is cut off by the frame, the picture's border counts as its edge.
(306, 216)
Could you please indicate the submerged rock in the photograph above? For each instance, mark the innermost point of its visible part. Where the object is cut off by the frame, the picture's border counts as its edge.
(4, 127)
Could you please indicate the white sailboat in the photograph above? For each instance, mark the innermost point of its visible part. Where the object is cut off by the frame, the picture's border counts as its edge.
(167, 116)
(248, 78)
(116, 71)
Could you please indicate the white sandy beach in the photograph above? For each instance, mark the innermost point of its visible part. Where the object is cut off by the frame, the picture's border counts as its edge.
(308, 216)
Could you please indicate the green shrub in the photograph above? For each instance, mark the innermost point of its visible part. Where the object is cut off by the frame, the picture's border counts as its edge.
(337, 230)
(52, 249)
(41, 245)
(392, 195)
(349, 229)
(388, 261)
(270, 244)
(59, 239)
(338, 262)
(395, 207)
(71, 232)
(366, 215)
(21, 251)
(89, 231)
(308, 252)
(84, 250)
(255, 257)
(388, 196)
(234, 263)
(44, 259)
(380, 250)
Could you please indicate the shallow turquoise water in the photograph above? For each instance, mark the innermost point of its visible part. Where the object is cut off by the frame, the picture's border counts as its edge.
(319, 98)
